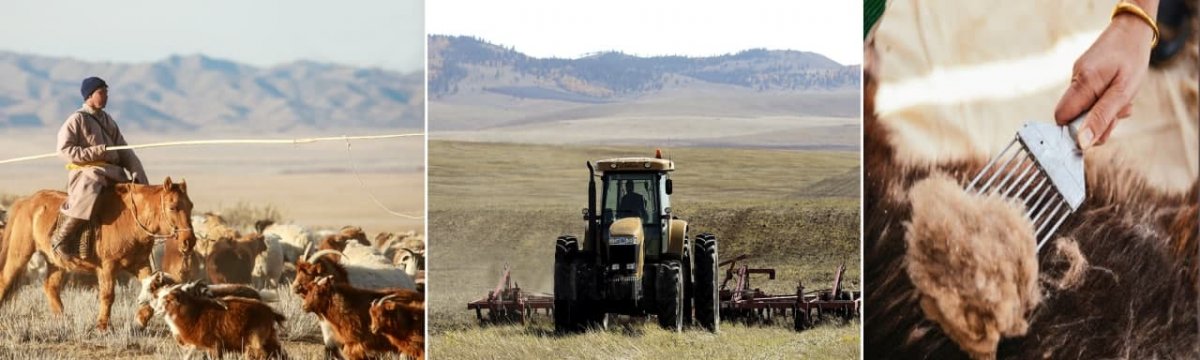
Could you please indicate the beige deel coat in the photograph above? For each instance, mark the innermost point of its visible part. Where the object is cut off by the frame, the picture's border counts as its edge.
(82, 140)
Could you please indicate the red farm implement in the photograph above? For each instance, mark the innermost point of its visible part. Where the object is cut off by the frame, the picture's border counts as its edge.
(748, 304)
(508, 303)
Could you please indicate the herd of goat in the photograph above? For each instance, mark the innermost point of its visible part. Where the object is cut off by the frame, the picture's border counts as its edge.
(367, 295)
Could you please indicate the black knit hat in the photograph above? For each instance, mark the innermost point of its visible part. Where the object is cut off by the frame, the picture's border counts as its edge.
(90, 85)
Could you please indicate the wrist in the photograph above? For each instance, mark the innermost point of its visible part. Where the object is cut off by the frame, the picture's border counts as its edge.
(1136, 17)
(1133, 25)
(1150, 6)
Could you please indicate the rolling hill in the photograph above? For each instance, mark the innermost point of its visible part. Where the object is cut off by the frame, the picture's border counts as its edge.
(479, 91)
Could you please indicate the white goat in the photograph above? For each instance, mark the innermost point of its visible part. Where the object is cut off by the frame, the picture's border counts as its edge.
(294, 240)
(268, 266)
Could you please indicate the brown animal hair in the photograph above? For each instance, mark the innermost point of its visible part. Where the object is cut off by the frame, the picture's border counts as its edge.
(160, 280)
(131, 216)
(347, 309)
(1137, 298)
(400, 317)
(215, 229)
(322, 263)
(232, 261)
(231, 324)
(338, 241)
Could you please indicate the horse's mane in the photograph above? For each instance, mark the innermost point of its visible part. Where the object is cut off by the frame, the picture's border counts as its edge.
(124, 226)
(125, 188)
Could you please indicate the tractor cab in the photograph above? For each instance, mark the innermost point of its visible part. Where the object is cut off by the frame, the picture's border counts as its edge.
(635, 202)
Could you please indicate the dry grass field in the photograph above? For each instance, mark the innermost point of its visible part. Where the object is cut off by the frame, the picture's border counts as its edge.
(823, 133)
(310, 184)
(27, 331)
(493, 205)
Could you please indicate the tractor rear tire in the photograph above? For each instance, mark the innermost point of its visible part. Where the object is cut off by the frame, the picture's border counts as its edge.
(597, 320)
(565, 312)
(670, 296)
(689, 291)
(706, 292)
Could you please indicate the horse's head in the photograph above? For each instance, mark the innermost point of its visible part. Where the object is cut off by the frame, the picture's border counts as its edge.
(177, 213)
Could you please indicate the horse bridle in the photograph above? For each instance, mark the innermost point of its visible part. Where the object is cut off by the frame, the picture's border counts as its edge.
(173, 232)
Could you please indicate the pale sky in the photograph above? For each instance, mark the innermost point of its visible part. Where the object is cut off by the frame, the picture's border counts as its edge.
(570, 29)
(376, 33)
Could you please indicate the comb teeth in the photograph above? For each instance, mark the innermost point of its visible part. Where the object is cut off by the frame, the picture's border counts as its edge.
(1017, 175)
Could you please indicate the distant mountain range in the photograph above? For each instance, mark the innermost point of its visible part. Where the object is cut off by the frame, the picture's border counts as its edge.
(459, 64)
(475, 85)
(184, 93)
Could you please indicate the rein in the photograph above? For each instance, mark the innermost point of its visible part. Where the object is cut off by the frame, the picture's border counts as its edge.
(174, 232)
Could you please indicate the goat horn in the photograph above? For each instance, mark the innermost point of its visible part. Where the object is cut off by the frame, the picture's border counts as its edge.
(321, 253)
(387, 297)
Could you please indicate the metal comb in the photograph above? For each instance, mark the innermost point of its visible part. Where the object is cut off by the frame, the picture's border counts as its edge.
(1049, 164)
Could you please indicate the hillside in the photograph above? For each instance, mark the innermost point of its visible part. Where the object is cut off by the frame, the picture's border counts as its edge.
(456, 63)
(476, 85)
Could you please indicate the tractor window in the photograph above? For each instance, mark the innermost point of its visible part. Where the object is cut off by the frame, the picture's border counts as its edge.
(628, 195)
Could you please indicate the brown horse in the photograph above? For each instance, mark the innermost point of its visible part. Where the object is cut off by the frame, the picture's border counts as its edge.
(130, 217)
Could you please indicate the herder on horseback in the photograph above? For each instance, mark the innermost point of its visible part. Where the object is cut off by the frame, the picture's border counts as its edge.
(82, 142)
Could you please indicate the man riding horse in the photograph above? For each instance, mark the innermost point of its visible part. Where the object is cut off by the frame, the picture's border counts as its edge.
(83, 141)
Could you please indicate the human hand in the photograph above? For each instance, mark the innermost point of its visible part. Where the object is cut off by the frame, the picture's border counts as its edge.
(1105, 79)
(97, 152)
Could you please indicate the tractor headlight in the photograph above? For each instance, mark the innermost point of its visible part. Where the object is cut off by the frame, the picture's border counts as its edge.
(622, 240)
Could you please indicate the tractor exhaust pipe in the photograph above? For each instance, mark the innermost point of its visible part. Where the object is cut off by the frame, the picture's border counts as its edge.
(593, 233)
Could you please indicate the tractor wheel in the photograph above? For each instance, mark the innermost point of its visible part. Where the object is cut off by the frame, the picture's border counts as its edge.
(670, 296)
(688, 288)
(565, 319)
(565, 246)
(708, 302)
(597, 320)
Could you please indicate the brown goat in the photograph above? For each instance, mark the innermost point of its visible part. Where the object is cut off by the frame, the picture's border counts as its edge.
(232, 261)
(199, 320)
(347, 309)
(307, 273)
(152, 284)
(338, 241)
(215, 229)
(400, 317)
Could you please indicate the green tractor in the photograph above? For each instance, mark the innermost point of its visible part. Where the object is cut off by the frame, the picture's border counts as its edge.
(636, 257)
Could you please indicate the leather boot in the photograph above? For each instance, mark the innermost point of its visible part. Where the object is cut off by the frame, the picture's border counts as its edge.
(66, 237)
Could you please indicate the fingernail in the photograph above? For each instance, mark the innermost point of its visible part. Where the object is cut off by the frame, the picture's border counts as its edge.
(1085, 139)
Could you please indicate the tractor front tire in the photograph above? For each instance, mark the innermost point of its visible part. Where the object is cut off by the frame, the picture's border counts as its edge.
(565, 312)
(708, 302)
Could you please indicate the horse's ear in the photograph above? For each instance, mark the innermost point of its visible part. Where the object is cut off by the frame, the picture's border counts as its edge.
(167, 183)
(183, 186)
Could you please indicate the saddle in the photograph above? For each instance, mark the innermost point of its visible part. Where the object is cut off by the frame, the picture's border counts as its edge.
(85, 243)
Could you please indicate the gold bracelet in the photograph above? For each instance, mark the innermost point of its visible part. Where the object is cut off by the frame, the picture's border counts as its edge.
(1133, 9)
